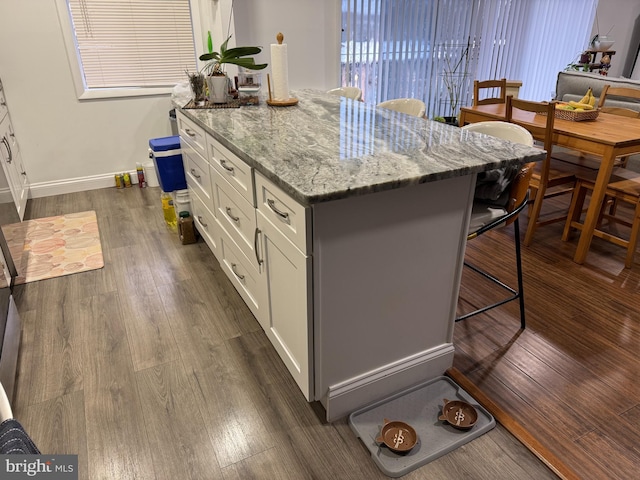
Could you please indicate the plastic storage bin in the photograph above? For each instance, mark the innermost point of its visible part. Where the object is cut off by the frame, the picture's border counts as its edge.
(167, 159)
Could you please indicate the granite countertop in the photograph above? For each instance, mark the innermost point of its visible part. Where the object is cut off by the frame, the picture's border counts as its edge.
(328, 147)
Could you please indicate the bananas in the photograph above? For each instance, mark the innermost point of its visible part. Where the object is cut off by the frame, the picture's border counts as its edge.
(586, 103)
(585, 99)
(579, 105)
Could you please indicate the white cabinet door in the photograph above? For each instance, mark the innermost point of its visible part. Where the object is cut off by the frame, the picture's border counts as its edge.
(288, 282)
(12, 165)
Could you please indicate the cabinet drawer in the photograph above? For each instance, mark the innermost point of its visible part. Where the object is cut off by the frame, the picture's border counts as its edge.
(233, 169)
(284, 212)
(192, 134)
(237, 216)
(197, 174)
(248, 281)
(206, 224)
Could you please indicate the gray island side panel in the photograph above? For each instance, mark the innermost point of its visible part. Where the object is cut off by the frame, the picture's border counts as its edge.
(327, 148)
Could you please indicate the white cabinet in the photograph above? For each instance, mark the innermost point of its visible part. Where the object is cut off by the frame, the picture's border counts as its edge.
(198, 175)
(232, 193)
(262, 248)
(11, 158)
(288, 324)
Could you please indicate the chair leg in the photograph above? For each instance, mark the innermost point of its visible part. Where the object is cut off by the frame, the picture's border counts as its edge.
(534, 213)
(516, 231)
(633, 239)
(575, 209)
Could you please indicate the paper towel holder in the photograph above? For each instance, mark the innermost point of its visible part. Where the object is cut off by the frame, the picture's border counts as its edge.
(279, 103)
(271, 101)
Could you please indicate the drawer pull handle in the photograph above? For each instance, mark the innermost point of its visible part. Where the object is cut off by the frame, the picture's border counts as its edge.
(233, 269)
(224, 165)
(255, 245)
(201, 220)
(190, 132)
(281, 214)
(195, 174)
(6, 144)
(230, 215)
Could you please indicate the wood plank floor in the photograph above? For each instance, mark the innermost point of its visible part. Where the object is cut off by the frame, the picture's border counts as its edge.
(573, 376)
(153, 367)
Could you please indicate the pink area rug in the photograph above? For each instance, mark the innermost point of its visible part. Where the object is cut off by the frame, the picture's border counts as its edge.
(55, 246)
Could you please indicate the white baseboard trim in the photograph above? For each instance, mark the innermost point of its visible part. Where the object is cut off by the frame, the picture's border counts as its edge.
(350, 395)
(72, 185)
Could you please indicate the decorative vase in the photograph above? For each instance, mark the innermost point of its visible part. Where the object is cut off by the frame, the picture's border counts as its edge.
(218, 88)
(196, 81)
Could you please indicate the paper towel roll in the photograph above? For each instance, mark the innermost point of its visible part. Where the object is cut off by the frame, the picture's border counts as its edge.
(280, 71)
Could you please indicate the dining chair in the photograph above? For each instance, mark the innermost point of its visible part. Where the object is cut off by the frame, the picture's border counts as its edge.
(410, 106)
(489, 89)
(487, 215)
(549, 179)
(623, 186)
(348, 92)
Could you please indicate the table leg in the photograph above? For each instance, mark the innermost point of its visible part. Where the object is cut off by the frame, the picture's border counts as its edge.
(604, 174)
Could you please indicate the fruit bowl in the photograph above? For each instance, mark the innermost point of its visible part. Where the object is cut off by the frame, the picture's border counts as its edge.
(575, 115)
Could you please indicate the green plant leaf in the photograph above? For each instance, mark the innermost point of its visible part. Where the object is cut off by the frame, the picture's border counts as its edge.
(242, 52)
(209, 56)
(209, 42)
(247, 63)
(223, 47)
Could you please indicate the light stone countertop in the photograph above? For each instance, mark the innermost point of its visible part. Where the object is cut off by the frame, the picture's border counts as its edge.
(328, 147)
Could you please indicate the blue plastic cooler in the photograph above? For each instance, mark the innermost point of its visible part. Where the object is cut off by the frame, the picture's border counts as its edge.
(167, 159)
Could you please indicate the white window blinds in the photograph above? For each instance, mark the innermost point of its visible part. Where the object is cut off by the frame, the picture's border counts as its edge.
(133, 43)
(434, 49)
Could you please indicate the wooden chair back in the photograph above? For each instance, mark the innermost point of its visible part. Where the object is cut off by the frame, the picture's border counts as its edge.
(519, 188)
(491, 85)
(550, 180)
(623, 92)
(541, 132)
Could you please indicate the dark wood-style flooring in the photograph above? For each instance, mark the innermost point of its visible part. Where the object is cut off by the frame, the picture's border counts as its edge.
(572, 377)
(153, 367)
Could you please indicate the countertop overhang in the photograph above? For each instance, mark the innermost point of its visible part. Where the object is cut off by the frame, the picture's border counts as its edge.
(327, 148)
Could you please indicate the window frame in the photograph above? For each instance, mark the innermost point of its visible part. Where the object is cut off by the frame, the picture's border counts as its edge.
(81, 90)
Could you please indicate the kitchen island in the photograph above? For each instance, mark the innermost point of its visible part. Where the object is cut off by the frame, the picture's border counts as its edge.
(343, 227)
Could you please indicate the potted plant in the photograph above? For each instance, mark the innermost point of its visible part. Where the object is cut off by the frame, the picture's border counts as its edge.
(217, 80)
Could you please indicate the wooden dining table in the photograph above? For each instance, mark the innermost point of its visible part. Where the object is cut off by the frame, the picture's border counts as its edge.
(608, 137)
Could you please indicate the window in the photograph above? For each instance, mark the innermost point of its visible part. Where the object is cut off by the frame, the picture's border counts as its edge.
(427, 48)
(127, 47)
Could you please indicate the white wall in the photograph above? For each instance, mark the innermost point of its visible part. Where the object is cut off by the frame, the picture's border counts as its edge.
(311, 30)
(618, 16)
(60, 137)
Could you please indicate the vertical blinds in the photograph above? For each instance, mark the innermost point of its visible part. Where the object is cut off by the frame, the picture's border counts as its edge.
(133, 43)
(434, 49)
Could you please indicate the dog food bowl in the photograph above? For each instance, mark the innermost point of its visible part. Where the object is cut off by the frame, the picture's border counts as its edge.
(397, 436)
(459, 414)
